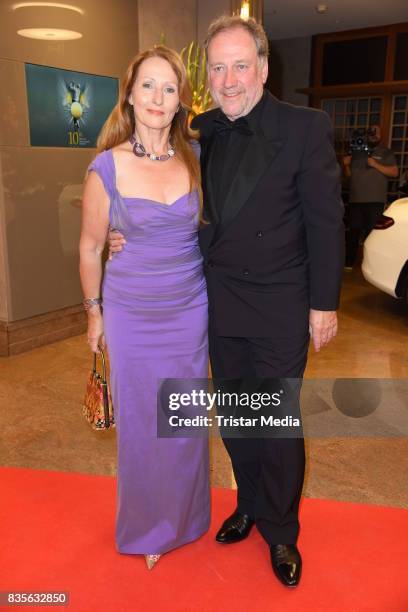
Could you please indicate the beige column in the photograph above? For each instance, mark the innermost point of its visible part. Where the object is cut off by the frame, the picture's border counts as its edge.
(176, 21)
(179, 21)
(207, 12)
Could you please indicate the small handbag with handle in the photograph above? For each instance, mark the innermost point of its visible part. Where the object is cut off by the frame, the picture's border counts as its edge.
(97, 407)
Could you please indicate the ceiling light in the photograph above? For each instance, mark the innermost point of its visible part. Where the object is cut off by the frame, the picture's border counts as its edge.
(322, 8)
(68, 7)
(49, 33)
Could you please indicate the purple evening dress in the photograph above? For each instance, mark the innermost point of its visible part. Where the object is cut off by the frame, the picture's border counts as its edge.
(155, 321)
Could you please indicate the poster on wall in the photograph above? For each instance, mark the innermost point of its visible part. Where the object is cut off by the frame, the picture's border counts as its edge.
(66, 108)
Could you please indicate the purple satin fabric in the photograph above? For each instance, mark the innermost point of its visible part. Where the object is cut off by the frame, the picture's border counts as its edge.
(155, 321)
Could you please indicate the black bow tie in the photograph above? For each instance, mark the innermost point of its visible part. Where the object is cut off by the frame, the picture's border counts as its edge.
(223, 125)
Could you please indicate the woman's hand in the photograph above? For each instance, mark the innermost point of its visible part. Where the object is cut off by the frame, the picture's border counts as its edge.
(116, 240)
(95, 329)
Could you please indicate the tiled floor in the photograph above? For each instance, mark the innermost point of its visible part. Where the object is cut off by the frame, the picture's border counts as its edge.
(42, 424)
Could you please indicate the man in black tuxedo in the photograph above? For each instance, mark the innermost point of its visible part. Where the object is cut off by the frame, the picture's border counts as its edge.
(273, 254)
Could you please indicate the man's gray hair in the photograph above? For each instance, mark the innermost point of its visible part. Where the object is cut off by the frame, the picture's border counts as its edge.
(228, 22)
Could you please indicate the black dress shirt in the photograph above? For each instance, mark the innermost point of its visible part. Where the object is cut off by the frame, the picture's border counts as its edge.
(232, 138)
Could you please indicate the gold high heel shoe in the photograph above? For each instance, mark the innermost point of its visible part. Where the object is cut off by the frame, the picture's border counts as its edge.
(151, 560)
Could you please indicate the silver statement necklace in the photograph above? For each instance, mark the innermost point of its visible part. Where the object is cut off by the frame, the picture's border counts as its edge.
(140, 151)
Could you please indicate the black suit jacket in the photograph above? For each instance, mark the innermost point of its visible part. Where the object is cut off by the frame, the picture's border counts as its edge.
(278, 248)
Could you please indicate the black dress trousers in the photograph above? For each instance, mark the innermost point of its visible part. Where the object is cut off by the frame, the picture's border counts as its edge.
(269, 471)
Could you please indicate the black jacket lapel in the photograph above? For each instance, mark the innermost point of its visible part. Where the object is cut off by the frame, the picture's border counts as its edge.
(210, 210)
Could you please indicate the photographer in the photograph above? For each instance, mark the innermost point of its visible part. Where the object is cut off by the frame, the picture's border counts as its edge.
(369, 166)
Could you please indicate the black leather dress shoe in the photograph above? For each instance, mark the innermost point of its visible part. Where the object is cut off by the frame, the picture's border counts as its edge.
(235, 528)
(286, 563)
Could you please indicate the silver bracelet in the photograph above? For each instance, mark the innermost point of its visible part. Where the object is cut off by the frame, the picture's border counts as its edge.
(89, 302)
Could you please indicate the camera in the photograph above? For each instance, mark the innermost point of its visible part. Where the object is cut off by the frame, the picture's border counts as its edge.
(359, 141)
(403, 186)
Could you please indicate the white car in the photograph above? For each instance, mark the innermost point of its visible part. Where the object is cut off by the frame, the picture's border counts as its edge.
(385, 262)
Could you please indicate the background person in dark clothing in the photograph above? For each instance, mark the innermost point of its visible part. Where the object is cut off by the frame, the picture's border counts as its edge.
(369, 175)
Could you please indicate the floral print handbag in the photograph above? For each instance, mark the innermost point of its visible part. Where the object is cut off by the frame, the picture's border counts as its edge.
(97, 406)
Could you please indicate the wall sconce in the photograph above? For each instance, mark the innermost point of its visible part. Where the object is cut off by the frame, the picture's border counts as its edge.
(245, 10)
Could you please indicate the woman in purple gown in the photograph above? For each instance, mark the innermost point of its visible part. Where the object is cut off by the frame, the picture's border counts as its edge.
(146, 182)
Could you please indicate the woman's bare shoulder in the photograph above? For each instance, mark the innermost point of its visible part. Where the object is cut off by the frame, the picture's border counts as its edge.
(122, 150)
(122, 156)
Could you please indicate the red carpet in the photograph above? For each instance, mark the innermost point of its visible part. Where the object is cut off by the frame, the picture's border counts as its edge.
(57, 533)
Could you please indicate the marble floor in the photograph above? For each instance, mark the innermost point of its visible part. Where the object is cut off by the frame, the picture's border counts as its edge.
(42, 425)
